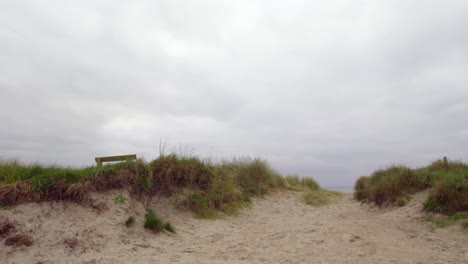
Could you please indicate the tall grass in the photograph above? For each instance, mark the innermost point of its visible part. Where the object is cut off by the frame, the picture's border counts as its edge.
(23, 183)
(203, 187)
(447, 181)
(301, 184)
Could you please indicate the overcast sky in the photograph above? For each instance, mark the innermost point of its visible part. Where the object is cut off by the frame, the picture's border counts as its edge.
(332, 89)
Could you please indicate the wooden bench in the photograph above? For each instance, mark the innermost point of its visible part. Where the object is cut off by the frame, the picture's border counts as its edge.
(100, 160)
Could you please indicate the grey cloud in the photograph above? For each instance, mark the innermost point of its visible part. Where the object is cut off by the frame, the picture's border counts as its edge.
(328, 89)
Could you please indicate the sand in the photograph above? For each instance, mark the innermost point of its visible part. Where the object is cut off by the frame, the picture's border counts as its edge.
(276, 229)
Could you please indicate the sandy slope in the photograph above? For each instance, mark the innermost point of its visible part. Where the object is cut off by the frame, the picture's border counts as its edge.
(277, 229)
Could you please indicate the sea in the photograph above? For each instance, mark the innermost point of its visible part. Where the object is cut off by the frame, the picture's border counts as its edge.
(342, 189)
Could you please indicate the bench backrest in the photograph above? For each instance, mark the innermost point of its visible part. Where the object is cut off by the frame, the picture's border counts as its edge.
(100, 160)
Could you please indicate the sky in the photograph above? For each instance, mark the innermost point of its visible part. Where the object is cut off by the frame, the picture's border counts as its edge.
(331, 89)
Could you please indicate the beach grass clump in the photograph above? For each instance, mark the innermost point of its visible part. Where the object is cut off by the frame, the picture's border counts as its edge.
(320, 197)
(119, 199)
(301, 184)
(155, 224)
(385, 186)
(130, 221)
(222, 196)
(449, 194)
(171, 173)
(255, 177)
(401, 201)
(442, 221)
(21, 183)
(447, 181)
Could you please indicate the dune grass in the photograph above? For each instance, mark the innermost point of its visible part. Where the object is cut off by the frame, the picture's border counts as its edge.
(301, 184)
(321, 197)
(130, 221)
(25, 183)
(442, 221)
(155, 224)
(312, 193)
(447, 181)
(205, 188)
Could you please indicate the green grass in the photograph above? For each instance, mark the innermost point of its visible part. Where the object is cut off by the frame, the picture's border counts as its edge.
(154, 223)
(446, 221)
(208, 189)
(119, 199)
(447, 181)
(320, 197)
(301, 184)
(130, 221)
(401, 201)
(24, 183)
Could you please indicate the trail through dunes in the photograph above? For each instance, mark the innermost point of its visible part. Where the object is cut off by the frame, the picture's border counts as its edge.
(276, 229)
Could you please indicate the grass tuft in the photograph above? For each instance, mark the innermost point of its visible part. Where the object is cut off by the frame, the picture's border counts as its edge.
(154, 223)
(119, 199)
(301, 184)
(130, 221)
(168, 227)
(321, 197)
(401, 201)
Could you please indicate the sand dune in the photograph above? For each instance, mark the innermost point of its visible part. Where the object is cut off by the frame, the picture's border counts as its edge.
(276, 229)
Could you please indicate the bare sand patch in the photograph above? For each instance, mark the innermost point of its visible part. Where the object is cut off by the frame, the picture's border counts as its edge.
(279, 228)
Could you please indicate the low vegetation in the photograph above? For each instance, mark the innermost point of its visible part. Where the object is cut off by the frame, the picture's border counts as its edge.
(321, 197)
(301, 184)
(154, 223)
(312, 193)
(206, 188)
(447, 181)
(442, 221)
(130, 221)
(119, 199)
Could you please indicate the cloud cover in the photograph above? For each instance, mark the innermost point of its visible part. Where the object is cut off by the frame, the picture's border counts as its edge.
(331, 89)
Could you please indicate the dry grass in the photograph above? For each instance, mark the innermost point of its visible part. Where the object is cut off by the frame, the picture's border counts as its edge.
(321, 197)
(6, 227)
(19, 240)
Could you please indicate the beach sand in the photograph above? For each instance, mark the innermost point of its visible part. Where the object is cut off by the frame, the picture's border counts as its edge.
(276, 229)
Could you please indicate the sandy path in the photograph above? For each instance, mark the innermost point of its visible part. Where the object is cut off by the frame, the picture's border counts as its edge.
(277, 229)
